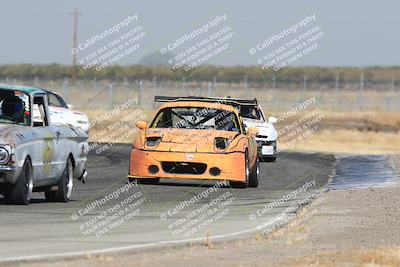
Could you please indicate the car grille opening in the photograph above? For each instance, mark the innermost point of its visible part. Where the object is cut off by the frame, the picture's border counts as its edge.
(183, 167)
(271, 143)
(266, 143)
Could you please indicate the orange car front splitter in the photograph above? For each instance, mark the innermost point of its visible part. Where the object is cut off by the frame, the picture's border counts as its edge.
(180, 165)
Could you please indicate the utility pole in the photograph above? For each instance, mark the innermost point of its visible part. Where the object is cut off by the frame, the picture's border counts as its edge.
(76, 13)
(74, 50)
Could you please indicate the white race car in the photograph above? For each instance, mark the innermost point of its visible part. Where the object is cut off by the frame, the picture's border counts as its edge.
(61, 113)
(253, 116)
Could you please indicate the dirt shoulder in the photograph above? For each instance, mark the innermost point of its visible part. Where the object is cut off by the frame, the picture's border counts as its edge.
(341, 228)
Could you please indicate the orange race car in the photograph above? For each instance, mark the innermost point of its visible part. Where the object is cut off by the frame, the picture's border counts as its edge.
(195, 140)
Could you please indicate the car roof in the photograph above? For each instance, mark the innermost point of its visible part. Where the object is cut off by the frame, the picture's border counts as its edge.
(199, 104)
(22, 88)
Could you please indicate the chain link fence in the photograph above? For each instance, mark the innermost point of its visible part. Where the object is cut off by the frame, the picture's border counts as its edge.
(361, 95)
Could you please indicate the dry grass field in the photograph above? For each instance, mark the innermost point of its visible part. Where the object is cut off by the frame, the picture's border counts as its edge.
(371, 132)
(385, 256)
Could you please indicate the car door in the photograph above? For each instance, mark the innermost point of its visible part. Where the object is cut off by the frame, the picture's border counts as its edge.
(62, 148)
(44, 156)
(63, 142)
(56, 116)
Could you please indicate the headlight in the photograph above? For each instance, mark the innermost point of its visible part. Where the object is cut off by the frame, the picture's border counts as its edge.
(4, 155)
(153, 141)
(221, 143)
(271, 143)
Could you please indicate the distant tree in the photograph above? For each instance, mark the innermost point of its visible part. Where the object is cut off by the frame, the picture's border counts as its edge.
(234, 74)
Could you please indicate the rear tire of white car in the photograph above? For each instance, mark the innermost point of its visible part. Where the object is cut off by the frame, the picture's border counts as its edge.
(21, 192)
(65, 185)
(269, 159)
(247, 174)
(255, 174)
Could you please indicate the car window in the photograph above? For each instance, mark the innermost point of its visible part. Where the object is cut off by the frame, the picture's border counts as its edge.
(62, 102)
(54, 100)
(251, 112)
(14, 107)
(196, 118)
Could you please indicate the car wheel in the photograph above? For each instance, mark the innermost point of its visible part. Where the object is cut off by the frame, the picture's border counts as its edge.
(65, 185)
(21, 192)
(255, 174)
(247, 174)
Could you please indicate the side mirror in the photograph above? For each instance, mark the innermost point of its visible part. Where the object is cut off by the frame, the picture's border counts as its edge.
(272, 120)
(70, 106)
(142, 125)
(252, 131)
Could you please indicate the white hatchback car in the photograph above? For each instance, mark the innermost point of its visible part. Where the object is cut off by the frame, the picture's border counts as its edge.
(253, 116)
(61, 113)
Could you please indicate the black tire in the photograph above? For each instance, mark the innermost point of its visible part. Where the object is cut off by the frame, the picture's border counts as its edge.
(21, 192)
(247, 174)
(65, 185)
(255, 174)
(145, 180)
(269, 159)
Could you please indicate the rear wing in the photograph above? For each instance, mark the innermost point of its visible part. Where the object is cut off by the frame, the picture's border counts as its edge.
(221, 100)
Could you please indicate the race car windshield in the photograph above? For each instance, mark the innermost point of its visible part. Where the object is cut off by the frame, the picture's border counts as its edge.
(251, 112)
(196, 118)
(14, 107)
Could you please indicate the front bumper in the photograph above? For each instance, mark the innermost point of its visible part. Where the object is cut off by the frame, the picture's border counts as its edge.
(8, 174)
(267, 148)
(7, 168)
(231, 165)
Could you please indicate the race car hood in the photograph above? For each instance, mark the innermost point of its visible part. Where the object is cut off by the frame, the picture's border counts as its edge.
(60, 115)
(187, 140)
(77, 115)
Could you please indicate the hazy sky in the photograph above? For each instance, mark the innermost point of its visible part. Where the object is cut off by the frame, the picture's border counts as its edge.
(357, 33)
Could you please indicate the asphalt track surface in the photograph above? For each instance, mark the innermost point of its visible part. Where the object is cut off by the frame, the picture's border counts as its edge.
(44, 229)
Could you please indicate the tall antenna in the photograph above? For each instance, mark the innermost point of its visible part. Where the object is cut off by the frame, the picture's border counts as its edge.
(76, 13)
